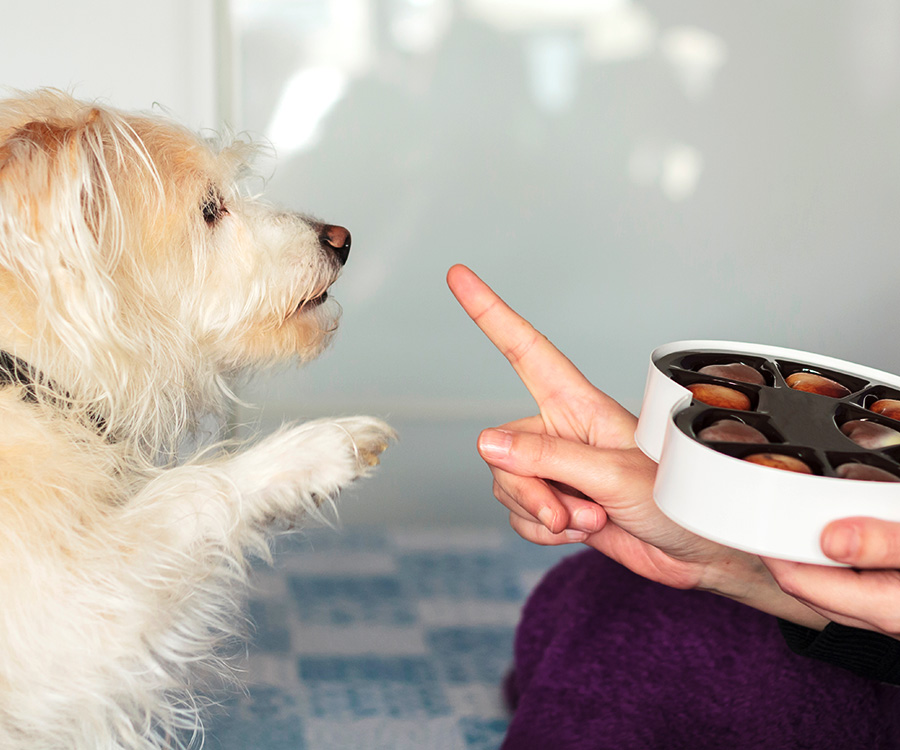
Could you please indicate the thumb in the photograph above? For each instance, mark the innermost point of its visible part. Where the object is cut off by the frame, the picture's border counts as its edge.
(522, 453)
(598, 473)
(863, 542)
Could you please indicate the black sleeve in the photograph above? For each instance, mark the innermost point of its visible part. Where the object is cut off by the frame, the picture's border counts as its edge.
(863, 652)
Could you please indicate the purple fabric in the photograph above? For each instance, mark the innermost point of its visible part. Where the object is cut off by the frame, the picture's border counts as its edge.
(606, 659)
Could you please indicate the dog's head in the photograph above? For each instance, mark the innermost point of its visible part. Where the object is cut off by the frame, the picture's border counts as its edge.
(132, 266)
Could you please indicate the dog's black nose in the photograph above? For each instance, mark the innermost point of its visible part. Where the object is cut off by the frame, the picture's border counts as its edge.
(336, 239)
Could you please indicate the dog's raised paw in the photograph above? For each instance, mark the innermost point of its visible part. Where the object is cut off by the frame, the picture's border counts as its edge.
(370, 438)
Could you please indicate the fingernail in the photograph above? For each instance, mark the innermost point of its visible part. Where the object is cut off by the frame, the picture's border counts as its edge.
(546, 517)
(585, 518)
(575, 536)
(495, 443)
(841, 543)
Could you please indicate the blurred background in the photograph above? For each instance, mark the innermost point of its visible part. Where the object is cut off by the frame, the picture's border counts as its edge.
(625, 173)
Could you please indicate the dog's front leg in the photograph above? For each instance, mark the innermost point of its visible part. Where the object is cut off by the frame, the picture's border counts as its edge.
(159, 585)
(295, 470)
(234, 501)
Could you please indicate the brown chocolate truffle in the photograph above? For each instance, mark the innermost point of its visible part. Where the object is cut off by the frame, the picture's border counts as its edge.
(779, 461)
(812, 383)
(735, 371)
(865, 472)
(731, 431)
(889, 407)
(720, 395)
(870, 435)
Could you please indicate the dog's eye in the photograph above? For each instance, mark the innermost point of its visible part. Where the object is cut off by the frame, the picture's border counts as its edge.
(213, 207)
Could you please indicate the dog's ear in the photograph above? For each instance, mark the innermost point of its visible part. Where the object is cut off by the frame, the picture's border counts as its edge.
(60, 219)
(54, 180)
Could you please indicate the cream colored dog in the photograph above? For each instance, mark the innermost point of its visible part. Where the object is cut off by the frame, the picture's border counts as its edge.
(135, 278)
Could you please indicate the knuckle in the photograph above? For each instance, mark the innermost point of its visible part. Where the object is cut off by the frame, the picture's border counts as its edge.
(616, 470)
(519, 350)
(510, 491)
(545, 448)
(623, 472)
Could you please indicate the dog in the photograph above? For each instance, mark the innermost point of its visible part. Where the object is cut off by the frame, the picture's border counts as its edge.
(137, 280)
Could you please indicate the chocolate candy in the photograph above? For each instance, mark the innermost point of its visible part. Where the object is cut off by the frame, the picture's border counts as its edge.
(889, 407)
(735, 371)
(779, 461)
(856, 470)
(791, 426)
(870, 435)
(731, 431)
(720, 395)
(812, 383)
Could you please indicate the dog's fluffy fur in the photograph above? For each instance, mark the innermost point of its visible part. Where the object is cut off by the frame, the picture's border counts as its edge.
(135, 280)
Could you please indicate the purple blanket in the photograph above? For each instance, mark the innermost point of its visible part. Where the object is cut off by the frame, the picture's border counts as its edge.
(605, 659)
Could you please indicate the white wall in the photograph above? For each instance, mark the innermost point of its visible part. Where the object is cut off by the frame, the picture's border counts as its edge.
(626, 173)
(130, 54)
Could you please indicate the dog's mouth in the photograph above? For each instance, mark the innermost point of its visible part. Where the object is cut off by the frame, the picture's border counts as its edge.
(312, 303)
(315, 301)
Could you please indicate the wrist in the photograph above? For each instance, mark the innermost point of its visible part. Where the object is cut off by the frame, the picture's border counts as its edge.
(744, 578)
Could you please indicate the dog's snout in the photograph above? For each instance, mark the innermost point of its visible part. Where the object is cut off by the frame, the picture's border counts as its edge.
(336, 239)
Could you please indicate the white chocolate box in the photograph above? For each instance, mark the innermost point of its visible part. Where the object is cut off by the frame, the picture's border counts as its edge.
(710, 490)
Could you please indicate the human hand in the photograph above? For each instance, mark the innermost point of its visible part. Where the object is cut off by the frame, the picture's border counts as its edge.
(574, 472)
(570, 406)
(866, 595)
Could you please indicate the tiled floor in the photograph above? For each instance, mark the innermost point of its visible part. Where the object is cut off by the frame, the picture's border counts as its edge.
(369, 639)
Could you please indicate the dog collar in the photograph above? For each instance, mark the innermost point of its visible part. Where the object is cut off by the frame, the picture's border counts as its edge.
(15, 371)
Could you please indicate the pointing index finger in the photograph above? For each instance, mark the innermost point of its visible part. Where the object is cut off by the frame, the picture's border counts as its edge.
(541, 366)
